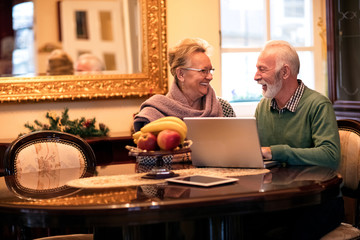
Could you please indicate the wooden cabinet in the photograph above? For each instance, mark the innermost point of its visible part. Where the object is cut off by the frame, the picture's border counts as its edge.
(343, 42)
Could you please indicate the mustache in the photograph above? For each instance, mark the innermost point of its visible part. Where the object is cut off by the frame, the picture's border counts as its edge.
(262, 82)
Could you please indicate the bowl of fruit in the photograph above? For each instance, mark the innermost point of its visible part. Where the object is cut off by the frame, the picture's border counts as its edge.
(158, 142)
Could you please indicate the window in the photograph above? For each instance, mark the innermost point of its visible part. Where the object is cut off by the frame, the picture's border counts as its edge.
(247, 25)
(23, 54)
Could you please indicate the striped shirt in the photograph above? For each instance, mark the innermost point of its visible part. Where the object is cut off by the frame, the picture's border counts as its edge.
(292, 104)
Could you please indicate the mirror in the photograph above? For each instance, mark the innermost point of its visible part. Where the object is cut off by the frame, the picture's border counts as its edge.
(150, 79)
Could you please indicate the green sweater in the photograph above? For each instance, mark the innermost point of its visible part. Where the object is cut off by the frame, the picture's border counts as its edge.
(308, 136)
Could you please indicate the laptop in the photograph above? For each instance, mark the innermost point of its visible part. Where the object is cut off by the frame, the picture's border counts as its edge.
(225, 142)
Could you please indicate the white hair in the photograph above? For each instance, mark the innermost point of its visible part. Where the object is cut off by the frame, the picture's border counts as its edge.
(285, 54)
(89, 62)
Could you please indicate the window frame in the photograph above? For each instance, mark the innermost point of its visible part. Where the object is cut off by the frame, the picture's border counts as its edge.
(318, 48)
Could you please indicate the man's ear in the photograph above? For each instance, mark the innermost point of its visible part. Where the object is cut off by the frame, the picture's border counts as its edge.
(180, 74)
(285, 71)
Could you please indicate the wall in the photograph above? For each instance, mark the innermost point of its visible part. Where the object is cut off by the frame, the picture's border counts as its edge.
(200, 18)
(185, 18)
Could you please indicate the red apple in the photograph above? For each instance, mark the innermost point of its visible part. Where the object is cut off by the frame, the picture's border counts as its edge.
(168, 139)
(147, 141)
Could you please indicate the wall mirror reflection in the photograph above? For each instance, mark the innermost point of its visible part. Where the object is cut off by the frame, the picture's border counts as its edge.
(91, 48)
(109, 30)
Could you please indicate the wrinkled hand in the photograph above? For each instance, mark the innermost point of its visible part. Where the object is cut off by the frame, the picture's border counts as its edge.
(266, 153)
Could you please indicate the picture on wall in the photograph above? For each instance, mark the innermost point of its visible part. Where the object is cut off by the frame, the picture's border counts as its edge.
(81, 25)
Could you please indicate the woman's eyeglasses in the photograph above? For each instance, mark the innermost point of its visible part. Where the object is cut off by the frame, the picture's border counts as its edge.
(203, 71)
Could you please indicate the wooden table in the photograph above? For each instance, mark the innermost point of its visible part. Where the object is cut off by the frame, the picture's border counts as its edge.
(167, 210)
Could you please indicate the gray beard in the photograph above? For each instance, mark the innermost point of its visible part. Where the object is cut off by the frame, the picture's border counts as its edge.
(273, 89)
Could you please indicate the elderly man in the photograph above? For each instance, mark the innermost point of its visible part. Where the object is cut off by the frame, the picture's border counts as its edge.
(297, 126)
(88, 63)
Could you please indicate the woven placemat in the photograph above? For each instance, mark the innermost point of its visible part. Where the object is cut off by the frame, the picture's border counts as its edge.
(126, 180)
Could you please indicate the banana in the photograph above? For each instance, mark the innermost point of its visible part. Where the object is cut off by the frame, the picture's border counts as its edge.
(162, 125)
(172, 118)
(136, 136)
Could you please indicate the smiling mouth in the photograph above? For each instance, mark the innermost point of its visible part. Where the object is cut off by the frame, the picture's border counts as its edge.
(204, 84)
(263, 85)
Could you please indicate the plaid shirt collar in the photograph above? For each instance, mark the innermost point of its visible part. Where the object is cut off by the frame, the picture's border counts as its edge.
(292, 104)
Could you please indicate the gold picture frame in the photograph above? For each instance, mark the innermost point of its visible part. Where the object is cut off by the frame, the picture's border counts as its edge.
(152, 80)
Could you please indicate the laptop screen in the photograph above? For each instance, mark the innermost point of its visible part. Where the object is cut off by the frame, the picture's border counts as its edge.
(224, 142)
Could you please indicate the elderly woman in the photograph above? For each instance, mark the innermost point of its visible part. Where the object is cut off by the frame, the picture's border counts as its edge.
(190, 94)
(59, 63)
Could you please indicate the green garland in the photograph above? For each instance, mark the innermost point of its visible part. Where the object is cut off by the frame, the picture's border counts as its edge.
(82, 127)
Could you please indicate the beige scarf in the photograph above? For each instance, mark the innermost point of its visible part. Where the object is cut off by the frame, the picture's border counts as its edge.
(175, 104)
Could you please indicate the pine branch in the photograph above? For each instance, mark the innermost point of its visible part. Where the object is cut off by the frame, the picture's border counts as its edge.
(82, 127)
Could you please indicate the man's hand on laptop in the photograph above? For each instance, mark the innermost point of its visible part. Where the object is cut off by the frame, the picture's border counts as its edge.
(266, 153)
